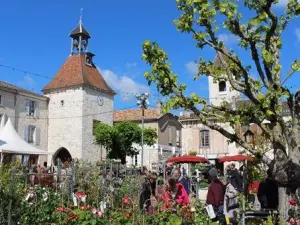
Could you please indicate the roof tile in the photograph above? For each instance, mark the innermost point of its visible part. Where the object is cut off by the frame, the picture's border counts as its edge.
(135, 114)
(76, 72)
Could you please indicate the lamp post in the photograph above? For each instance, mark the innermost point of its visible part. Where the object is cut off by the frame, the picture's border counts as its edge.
(142, 102)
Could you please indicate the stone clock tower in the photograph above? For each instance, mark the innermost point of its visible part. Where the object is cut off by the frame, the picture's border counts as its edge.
(79, 97)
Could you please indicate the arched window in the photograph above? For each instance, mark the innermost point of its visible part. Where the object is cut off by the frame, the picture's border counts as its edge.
(204, 138)
(222, 86)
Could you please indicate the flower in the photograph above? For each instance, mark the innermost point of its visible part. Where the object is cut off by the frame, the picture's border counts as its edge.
(94, 210)
(293, 202)
(80, 195)
(60, 209)
(100, 214)
(125, 200)
(253, 187)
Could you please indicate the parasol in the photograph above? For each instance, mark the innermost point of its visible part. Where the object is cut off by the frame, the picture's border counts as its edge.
(188, 159)
(235, 158)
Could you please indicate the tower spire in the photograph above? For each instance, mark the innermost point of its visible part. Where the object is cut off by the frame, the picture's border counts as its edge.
(80, 37)
(81, 14)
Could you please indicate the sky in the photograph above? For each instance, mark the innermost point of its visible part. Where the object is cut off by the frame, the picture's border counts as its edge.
(34, 38)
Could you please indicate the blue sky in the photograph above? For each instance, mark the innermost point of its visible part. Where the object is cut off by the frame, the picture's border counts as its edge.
(34, 37)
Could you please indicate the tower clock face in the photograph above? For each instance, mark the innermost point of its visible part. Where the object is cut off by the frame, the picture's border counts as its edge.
(100, 100)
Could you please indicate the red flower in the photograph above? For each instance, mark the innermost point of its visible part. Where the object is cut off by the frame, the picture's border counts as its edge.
(60, 209)
(80, 195)
(293, 202)
(125, 200)
(253, 187)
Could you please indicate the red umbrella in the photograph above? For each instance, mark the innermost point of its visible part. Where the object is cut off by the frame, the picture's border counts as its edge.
(187, 159)
(235, 158)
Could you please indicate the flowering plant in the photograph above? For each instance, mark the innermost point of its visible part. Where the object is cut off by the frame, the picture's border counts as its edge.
(253, 187)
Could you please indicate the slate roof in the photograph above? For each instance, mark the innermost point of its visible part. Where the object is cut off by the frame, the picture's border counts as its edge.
(75, 72)
(16, 89)
(136, 115)
(80, 30)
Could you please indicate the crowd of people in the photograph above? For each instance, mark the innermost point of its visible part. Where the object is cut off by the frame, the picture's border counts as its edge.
(222, 193)
(176, 192)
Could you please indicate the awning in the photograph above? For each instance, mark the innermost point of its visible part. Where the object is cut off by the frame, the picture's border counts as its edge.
(188, 159)
(235, 158)
(11, 142)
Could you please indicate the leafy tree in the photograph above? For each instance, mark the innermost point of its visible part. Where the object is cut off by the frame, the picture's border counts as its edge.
(120, 138)
(260, 36)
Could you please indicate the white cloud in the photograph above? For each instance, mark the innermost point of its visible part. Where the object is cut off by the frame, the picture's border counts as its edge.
(228, 39)
(192, 68)
(124, 84)
(297, 31)
(282, 3)
(27, 83)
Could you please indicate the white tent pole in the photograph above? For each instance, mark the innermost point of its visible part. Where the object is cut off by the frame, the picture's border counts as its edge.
(1, 157)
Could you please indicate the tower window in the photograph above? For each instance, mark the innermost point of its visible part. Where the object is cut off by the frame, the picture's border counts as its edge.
(222, 86)
(62, 103)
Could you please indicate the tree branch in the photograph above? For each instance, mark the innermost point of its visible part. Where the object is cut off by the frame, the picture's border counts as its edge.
(253, 48)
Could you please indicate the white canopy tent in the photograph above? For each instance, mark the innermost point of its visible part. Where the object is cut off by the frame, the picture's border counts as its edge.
(11, 142)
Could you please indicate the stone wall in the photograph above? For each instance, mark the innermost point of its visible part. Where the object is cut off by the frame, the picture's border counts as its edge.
(92, 110)
(65, 122)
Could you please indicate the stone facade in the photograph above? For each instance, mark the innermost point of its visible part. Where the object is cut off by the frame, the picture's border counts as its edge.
(93, 111)
(71, 116)
(65, 122)
(13, 105)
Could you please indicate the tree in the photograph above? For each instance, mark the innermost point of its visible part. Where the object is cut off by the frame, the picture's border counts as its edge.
(260, 37)
(120, 138)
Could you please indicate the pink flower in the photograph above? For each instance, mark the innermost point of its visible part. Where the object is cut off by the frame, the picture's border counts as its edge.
(94, 211)
(100, 214)
(60, 209)
(80, 195)
(293, 202)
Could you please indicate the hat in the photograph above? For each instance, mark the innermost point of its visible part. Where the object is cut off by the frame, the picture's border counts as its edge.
(213, 172)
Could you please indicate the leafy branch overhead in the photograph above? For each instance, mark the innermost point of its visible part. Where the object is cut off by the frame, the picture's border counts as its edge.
(120, 138)
(260, 38)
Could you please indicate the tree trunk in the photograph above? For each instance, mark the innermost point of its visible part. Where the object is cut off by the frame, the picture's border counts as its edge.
(284, 205)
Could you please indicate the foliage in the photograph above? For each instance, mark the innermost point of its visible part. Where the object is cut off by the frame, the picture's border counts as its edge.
(192, 152)
(12, 185)
(259, 33)
(120, 138)
(38, 208)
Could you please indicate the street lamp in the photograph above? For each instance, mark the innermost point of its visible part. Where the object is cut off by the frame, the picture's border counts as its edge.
(142, 102)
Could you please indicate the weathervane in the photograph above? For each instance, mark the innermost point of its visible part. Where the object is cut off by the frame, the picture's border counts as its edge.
(81, 13)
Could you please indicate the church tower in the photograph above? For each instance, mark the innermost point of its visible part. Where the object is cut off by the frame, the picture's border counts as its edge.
(79, 97)
(221, 91)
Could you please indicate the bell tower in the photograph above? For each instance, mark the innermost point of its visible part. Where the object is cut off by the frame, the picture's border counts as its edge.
(80, 38)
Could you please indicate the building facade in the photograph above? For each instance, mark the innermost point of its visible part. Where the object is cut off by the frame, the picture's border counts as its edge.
(168, 130)
(28, 112)
(61, 120)
(196, 137)
(78, 95)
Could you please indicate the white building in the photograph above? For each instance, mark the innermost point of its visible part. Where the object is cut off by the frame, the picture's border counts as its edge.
(201, 139)
(62, 120)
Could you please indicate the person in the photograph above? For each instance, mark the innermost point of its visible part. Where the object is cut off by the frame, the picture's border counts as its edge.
(215, 196)
(230, 201)
(268, 192)
(148, 191)
(175, 192)
(235, 178)
(178, 177)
